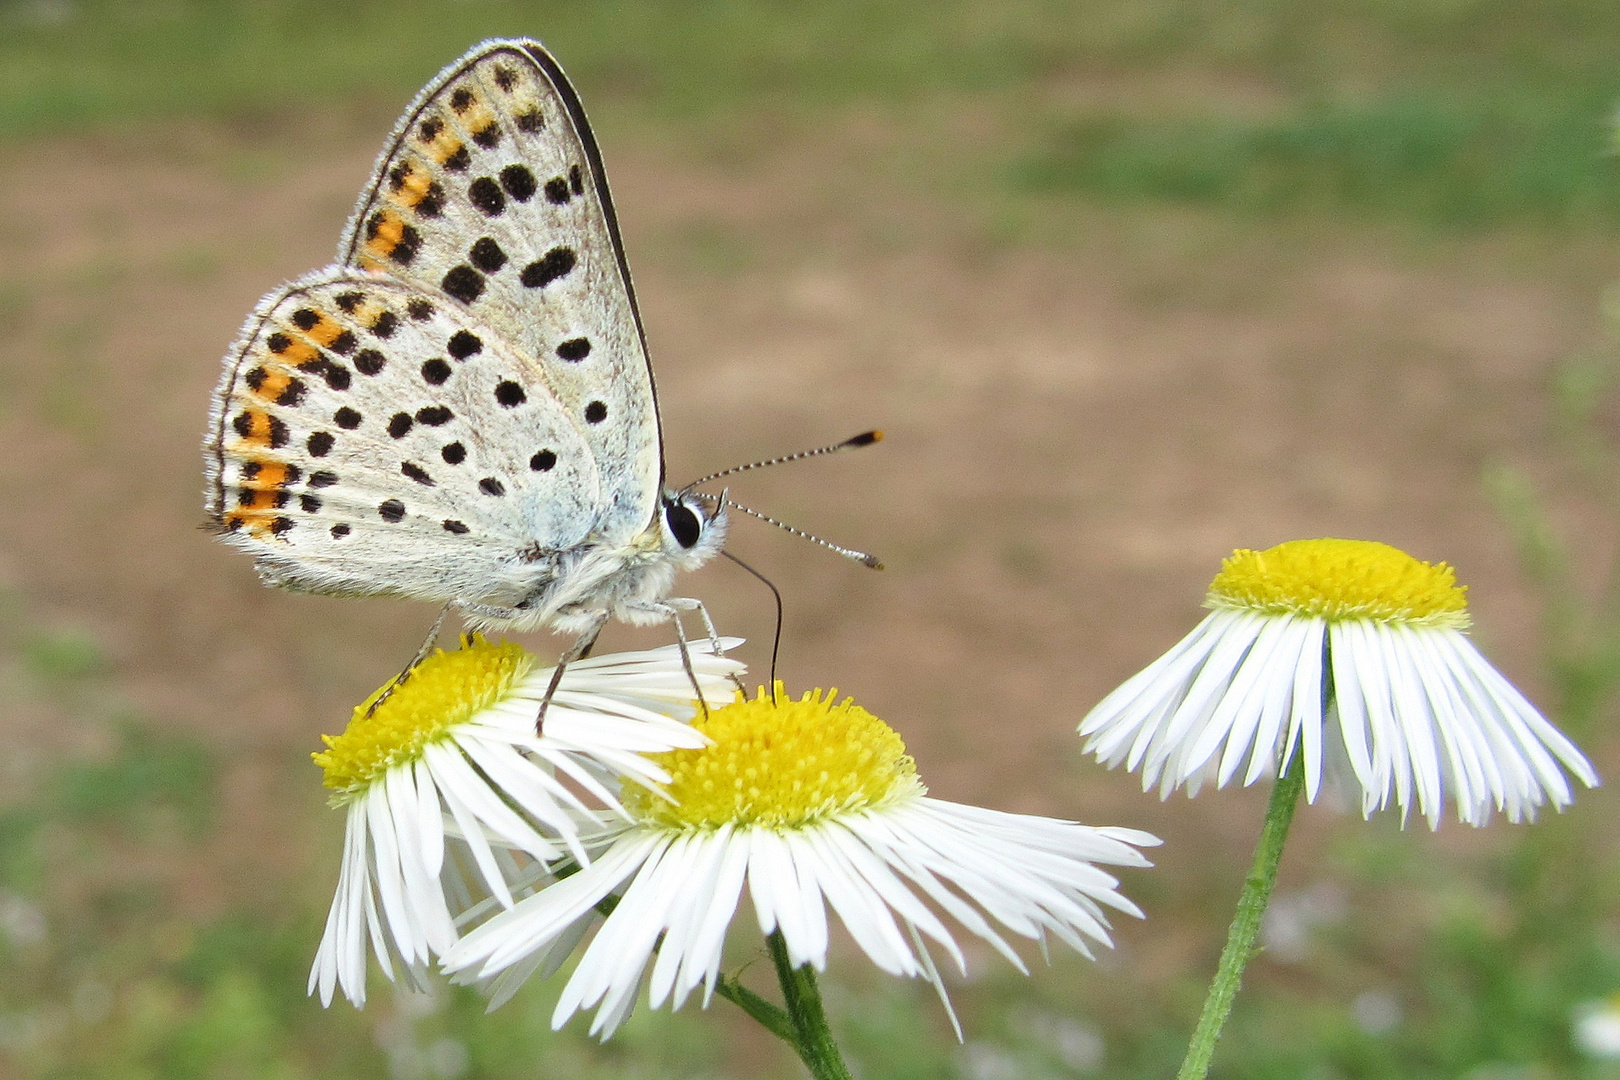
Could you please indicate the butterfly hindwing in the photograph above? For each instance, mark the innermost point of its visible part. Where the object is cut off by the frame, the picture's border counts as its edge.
(491, 195)
(368, 438)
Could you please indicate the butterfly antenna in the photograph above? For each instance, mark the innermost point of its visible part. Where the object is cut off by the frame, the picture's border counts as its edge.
(776, 640)
(861, 557)
(865, 438)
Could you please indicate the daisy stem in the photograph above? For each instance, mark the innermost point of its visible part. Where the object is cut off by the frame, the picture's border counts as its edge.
(814, 1042)
(1240, 938)
(772, 1018)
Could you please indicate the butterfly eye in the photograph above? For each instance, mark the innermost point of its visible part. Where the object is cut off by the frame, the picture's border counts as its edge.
(683, 524)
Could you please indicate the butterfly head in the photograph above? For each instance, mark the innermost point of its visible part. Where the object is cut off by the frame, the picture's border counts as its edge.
(693, 527)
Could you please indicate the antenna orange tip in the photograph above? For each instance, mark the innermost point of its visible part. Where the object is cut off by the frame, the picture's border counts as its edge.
(865, 438)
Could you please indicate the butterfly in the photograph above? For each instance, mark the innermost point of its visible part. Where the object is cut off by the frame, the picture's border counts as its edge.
(461, 409)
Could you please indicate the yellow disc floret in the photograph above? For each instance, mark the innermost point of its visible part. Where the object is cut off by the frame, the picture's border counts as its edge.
(1339, 580)
(446, 689)
(780, 764)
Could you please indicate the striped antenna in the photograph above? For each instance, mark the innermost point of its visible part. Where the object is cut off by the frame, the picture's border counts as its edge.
(865, 438)
(849, 553)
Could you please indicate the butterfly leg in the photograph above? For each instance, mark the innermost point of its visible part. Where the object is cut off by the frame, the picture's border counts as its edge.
(715, 647)
(421, 654)
(673, 608)
(579, 648)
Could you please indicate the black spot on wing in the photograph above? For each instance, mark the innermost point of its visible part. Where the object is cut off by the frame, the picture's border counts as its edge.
(433, 415)
(519, 182)
(336, 375)
(431, 204)
(487, 196)
(551, 266)
(464, 283)
(487, 255)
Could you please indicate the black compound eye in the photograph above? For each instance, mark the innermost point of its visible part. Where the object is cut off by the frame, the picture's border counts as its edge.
(683, 524)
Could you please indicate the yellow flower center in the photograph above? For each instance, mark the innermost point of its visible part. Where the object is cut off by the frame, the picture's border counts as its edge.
(1341, 579)
(446, 689)
(780, 764)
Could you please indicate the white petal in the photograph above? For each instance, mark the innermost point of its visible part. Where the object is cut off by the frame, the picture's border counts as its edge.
(533, 921)
(1343, 649)
(610, 969)
(784, 899)
(1307, 719)
(1236, 719)
(459, 781)
(425, 900)
(682, 913)
(863, 914)
(710, 937)
(429, 827)
(1210, 685)
(390, 880)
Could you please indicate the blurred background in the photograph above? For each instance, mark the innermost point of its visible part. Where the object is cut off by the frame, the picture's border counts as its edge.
(1127, 283)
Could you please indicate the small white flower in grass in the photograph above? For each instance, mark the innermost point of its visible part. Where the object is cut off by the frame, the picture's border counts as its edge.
(453, 800)
(1413, 712)
(808, 804)
(1597, 1028)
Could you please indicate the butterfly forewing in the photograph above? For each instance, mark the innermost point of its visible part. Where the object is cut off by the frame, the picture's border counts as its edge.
(491, 197)
(341, 450)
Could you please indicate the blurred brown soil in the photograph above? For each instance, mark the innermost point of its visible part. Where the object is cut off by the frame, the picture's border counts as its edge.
(1078, 431)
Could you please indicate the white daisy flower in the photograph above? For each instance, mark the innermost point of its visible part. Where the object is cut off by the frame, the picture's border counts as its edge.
(1353, 655)
(807, 804)
(452, 798)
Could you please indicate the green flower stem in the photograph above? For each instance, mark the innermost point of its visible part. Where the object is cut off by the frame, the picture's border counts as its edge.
(814, 1042)
(1240, 938)
(772, 1018)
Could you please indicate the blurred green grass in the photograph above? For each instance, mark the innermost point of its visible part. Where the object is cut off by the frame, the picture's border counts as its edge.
(1468, 164)
(1459, 113)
